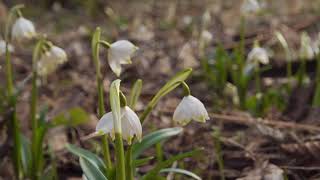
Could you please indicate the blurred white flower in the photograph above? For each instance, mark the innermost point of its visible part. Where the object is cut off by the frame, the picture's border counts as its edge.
(58, 54)
(3, 47)
(258, 54)
(50, 60)
(130, 125)
(23, 29)
(250, 7)
(206, 36)
(307, 50)
(206, 19)
(190, 108)
(120, 52)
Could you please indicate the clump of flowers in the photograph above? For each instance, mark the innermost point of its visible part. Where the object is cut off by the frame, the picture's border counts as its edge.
(122, 123)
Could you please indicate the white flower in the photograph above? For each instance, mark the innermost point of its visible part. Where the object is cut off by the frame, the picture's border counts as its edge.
(120, 52)
(23, 29)
(130, 125)
(190, 108)
(58, 54)
(250, 7)
(258, 54)
(307, 50)
(3, 47)
(50, 60)
(206, 36)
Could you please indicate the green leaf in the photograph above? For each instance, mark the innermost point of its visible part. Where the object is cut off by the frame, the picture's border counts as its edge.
(89, 156)
(143, 161)
(90, 170)
(73, 117)
(25, 154)
(153, 138)
(181, 171)
(168, 162)
(115, 104)
(135, 93)
(171, 85)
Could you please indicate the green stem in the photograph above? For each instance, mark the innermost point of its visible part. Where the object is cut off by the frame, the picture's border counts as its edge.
(129, 164)
(257, 78)
(186, 88)
(159, 152)
(36, 145)
(101, 109)
(120, 166)
(301, 72)
(217, 148)
(13, 116)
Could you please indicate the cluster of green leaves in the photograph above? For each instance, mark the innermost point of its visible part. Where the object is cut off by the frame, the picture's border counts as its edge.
(232, 67)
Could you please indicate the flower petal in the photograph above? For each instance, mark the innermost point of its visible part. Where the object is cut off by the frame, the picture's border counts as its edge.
(105, 124)
(131, 125)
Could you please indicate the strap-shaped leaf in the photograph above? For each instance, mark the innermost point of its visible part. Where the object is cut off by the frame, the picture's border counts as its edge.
(89, 156)
(153, 138)
(171, 84)
(143, 161)
(25, 154)
(181, 171)
(168, 162)
(168, 87)
(90, 170)
(135, 93)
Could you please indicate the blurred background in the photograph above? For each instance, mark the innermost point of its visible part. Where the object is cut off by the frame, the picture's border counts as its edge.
(167, 34)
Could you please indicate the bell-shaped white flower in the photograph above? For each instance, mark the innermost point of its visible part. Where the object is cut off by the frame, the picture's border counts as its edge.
(130, 125)
(258, 54)
(50, 60)
(3, 47)
(120, 52)
(23, 29)
(250, 7)
(190, 108)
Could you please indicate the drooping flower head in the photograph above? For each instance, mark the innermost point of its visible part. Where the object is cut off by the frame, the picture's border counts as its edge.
(258, 54)
(120, 52)
(50, 60)
(3, 47)
(23, 29)
(130, 125)
(190, 108)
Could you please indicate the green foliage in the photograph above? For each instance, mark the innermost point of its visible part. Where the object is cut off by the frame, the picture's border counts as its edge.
(73, 117)
(181, 171)
(135, 93)
(90, 170)
(162, 165)
(153, 138)
(88, 156)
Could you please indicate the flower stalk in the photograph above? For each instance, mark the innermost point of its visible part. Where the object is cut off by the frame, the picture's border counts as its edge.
(101, 109)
